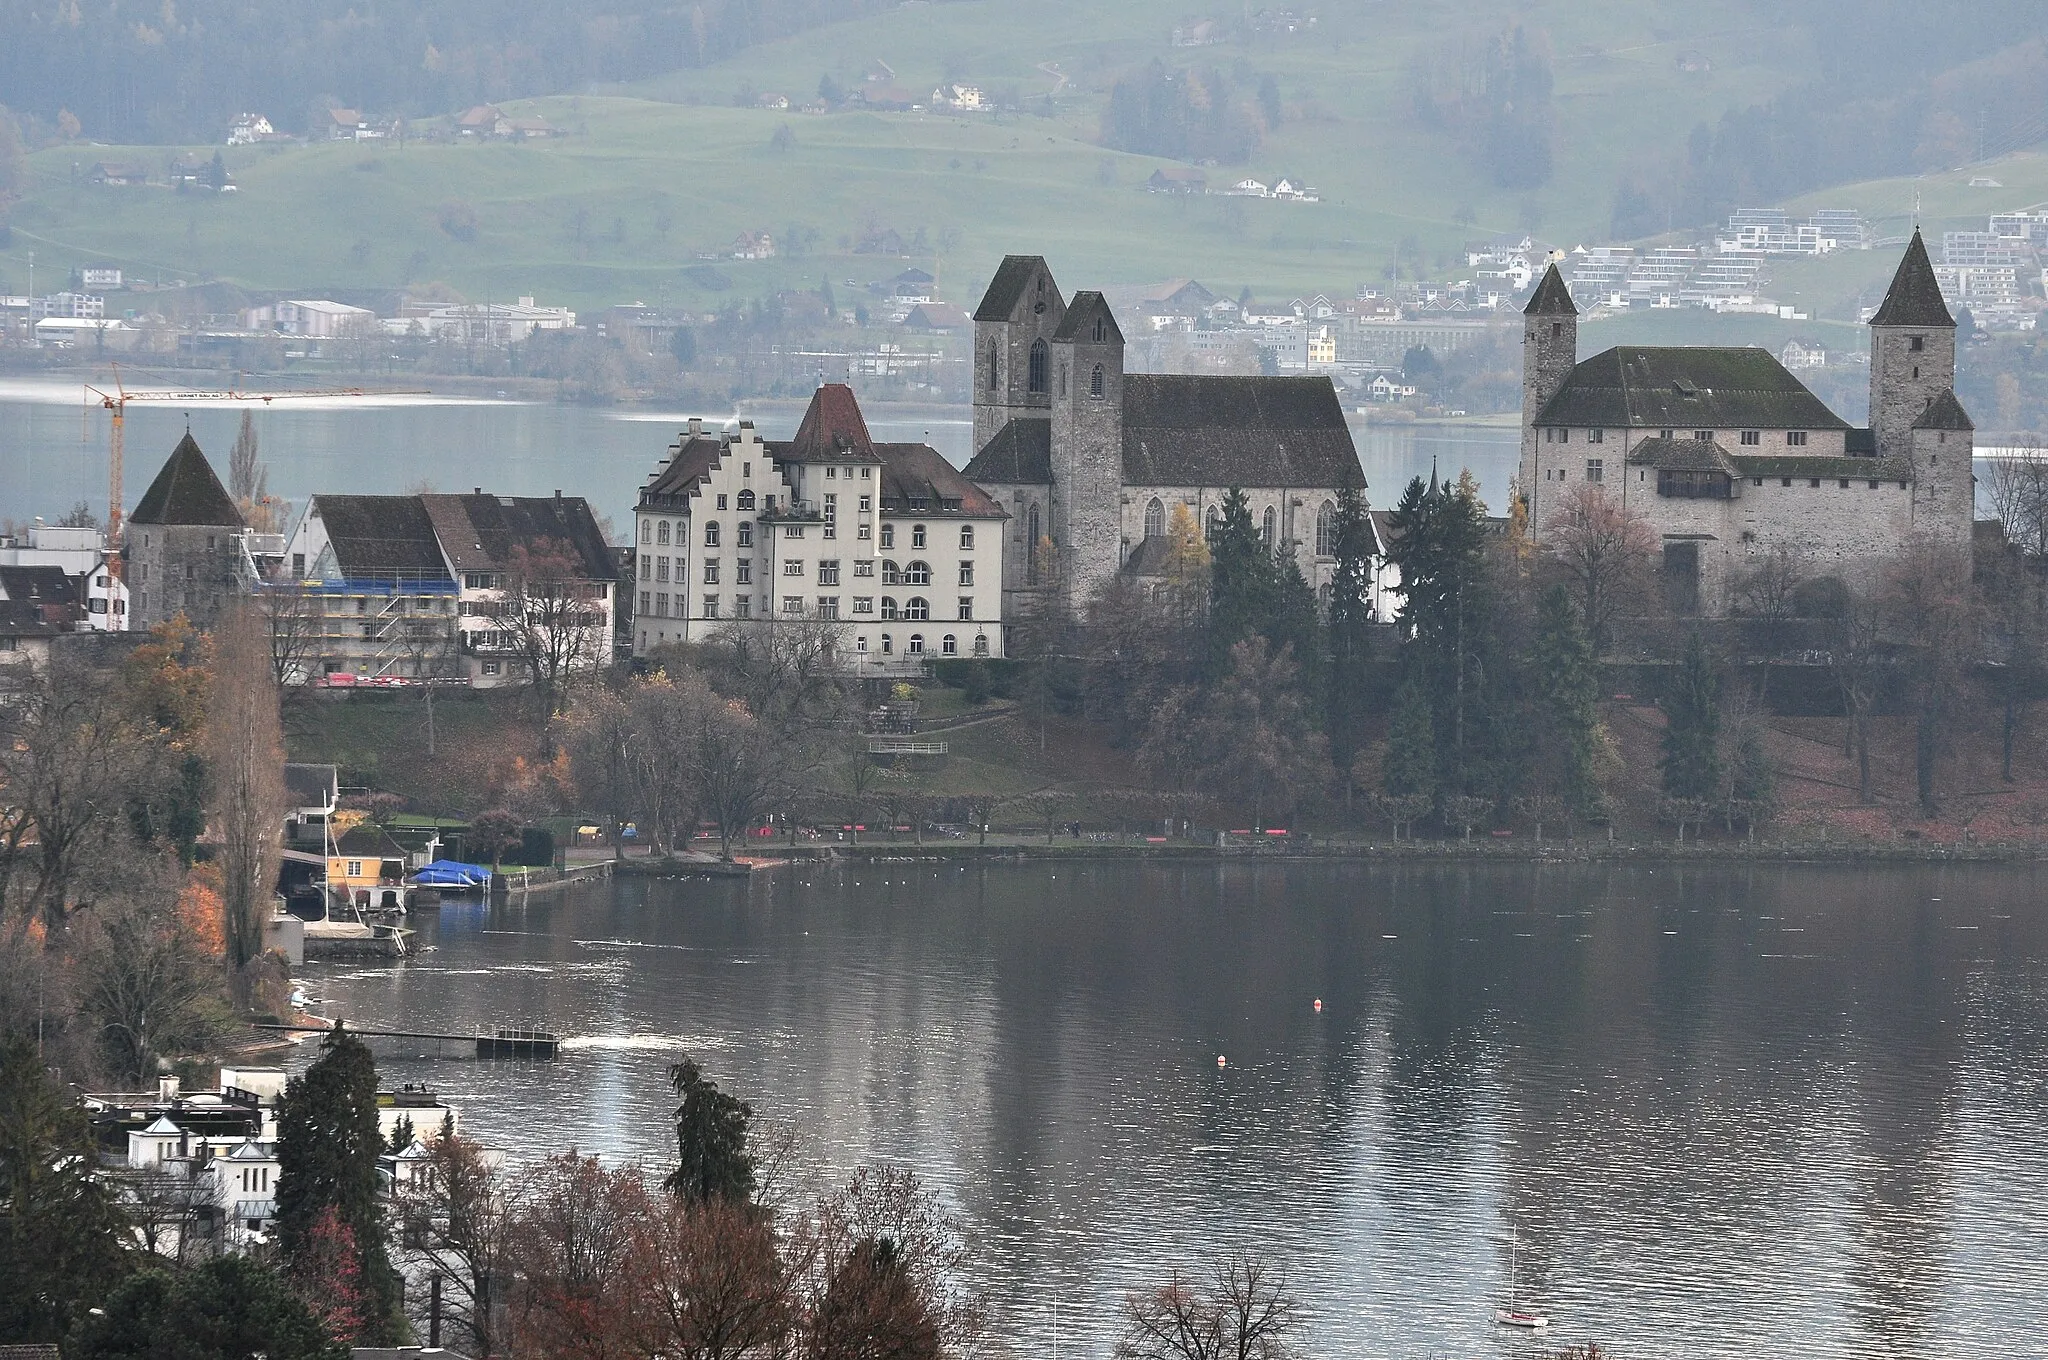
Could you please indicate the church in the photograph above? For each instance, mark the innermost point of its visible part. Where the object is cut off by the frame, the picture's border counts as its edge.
(1728, 456)
(1089, 460)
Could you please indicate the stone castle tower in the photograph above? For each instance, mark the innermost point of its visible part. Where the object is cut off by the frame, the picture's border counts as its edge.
(1087, 447)
(1550, 350)
(1912, 351)
(1013, 330)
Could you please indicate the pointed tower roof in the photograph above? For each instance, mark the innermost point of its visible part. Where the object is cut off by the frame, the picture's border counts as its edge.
(1944, 412)
(833, 429)
(1551, 297)
(1006, 289)
(1914, 299)
(186, 491)
(1079, 322)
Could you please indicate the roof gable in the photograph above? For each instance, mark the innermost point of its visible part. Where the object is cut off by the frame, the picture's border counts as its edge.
(483, 533)
(380, 535)
(690, 460)
(186, 491)
(1020, 454)
(1016, 275)
(832, 430)
(1914, 298)
(1078, 325)
(916, 479)
(1551, 297)
(1944, 412)
(1687, 387)
(1190, 430)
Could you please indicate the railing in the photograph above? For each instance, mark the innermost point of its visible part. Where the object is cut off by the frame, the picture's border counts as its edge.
(897, 746)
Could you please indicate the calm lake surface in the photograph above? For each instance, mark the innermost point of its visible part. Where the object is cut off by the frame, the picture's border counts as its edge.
(1726, 1112)
(53, 448)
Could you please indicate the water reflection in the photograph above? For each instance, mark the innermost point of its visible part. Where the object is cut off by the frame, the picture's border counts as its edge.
(1720, 1110)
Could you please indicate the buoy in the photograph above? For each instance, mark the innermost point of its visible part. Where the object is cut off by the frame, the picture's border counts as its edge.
(1221, 1061)
(1319, 1004)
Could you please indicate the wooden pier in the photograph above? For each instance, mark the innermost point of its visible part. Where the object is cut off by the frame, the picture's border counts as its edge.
(504, 1043)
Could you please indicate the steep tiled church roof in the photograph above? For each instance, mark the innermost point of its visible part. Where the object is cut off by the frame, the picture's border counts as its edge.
(1006, 289)
(1944, 412)
(1020, 454)
(1551, 297)
(1186, 430)
(1914, 299)
(186, 491)
(1687, 387)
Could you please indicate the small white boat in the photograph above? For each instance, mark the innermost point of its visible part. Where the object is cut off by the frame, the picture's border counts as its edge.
(1515, 1317)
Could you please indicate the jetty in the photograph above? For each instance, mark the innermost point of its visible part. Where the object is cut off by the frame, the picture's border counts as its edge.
(504, 1043)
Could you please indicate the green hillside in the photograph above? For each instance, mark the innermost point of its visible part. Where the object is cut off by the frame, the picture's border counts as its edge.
(651, 178)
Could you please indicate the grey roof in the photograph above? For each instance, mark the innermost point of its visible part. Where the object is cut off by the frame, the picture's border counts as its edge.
(918, 471)
(1687, 387)
(1823, 465)
(1081, 316)
(374, 535)
(1944, 412)
(691, 459)
(1006, 289)
(311, 785)
(42, 584)
(1189, 430)
(1551, 297)
(1020, 454)
(1914, 299)
(480, 533)
(1682, 455)
(186, 491)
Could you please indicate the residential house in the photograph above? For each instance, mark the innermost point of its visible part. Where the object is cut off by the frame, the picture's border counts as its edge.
(937, 318)
(315, 319)
(1177, 179)
(887, 541)
(26, 632)
(1250, 188)
(754, 245)
(959, 98)
(530, 128)
(185, 544)
(484, 323)
(90, 279)
(1296, 191)
(482, 120)
(311, 795)
(117, 173)
(367, 583)
(69, 306)
(366, 868)
(249, 129)
(81, 555)
(1796, 356)
(772, 102)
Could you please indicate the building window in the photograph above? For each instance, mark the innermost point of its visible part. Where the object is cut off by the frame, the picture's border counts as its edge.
(1269, 526)
(660, 604)
(710, 606)
(888, 644)
(918, 574)
(892, 575)
(1596, 436)
(889, 607)
(831, 503)
(828, 572)
(992, 366)
(830, 474)
(646, 530)
(864, 532)
(967, 538)
(743, 606)
(646, 602)
(860, 644)
(1665, 434)
(743, 572)
(1873, 486)
(864, 566)
(888, 535)
(1784, 481)
(981, 644)
(1031, 547)
(966, 573)
(1564, 436)
(490, 668)
(966, 608)
(646, 566)
(917, 607)
(1813, 482)
(746, 500)
(745, 536)
(1756, 481)
(1842, 484)
(661, 569)
(1212, 524)
(949, 646)
(1037, 375)
(863, 604)
(710, 571)
(792, 566)
(711, 533)
(1596, 469)
(353, 869)
(661, 532)
(867, 504)
(1752, 438)
(721, 500)
(1096, 385)
(1155, 518)
(1796, 438)
(1326, 530)
(828, 606)
(916, 536)
(792, 604)
(916, 647)
(792, 531)
(867, 474)
(1916, 343)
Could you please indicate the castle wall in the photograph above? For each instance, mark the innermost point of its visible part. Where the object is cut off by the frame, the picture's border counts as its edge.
(1903, 380)
(175, 569)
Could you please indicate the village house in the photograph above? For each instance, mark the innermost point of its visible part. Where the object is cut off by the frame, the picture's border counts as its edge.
(1728, 456)
(80, 554)
(1177, 179)
(887, 541)
(313, 318)
(250, 129)
(1088, 459)
(483, 323)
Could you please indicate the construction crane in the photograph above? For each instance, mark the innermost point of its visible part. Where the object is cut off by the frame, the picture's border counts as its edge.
(116, 404)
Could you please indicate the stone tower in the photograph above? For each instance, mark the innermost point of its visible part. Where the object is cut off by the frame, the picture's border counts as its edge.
(184, 544)
(1912, 352)
(1087, 448)
(1943, 442)
(1013, 330)
(1550, 350)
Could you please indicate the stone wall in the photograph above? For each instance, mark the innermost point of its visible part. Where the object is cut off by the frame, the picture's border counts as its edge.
(190, 569)
(1903, 380)
(1087, 466)
(1036, 316)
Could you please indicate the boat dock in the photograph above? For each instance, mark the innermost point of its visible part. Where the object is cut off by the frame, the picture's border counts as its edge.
(504, 1043)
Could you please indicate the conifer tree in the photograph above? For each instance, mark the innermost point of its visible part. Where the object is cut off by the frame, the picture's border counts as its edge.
(712, 1161)
(1409, 769)
(328, 1145)
(1567, 691)
(1692, 716)
(1242, 580)
(1349, 630)
(1440, 542)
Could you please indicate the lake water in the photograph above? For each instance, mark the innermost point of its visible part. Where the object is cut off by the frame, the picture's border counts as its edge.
(53, 447)
(1725, 1112)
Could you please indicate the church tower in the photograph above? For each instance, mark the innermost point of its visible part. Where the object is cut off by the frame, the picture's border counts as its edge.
(1087, 448)
(1013, 329)
(1550, 350)
(1912, 352)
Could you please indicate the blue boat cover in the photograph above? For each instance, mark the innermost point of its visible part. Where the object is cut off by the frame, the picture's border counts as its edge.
(448, 873)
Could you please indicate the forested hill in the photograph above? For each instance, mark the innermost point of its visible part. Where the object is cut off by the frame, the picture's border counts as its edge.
(179, 70)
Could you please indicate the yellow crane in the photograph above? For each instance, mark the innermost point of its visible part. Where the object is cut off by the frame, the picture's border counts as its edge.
(116, 405)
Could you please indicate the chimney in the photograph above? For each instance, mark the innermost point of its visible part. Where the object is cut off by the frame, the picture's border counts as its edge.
(166, 1088)
(696, 426)
(558, 493)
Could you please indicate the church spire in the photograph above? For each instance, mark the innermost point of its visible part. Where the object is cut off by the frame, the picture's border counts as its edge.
(1551, 297)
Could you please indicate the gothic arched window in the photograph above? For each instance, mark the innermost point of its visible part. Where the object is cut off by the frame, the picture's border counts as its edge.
(1039, 357)
(991, 365)
(1101, 331)
(1267, 530)
(1155, 518)
(1213, 524)
(1326, 530)
(1095, 383)
(1031, 548)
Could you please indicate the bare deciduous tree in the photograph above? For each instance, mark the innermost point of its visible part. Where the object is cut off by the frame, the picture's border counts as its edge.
(1855, 641)
(455, 1219)
(881, 1261)
(1602, 550)
(245, 760)
(1936, 621)
(294, 622)
(2019, 496)
(571, 1258)
(1241, 1312)
(550, 615)
(713, 1282)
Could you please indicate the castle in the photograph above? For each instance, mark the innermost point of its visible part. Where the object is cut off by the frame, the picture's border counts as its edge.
(1729, 456)
(1089, 460)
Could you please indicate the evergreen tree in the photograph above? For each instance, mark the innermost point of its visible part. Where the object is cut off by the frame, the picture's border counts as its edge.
(1439, 545)
(825, 297)
(1295, 625)
(712, 1162)
(1409, 769)
(62, 1236)
(1349, 630)
(328, 1145)
(1242, 580)
(1692, 716)
(230, 1308)
(1567, 690)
